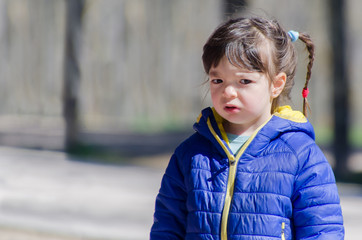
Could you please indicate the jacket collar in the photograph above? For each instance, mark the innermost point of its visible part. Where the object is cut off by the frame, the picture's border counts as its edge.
(284, 119)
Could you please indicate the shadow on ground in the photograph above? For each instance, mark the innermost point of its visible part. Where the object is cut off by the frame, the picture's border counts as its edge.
(126, 148)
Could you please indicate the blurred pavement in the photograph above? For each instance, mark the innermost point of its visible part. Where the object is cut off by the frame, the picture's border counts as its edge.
(47, 195)
(50, 194)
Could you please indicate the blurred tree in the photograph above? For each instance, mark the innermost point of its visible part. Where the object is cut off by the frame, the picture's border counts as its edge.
(74, 9)
(340, 87)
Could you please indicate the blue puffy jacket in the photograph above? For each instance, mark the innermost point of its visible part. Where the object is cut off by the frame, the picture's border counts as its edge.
(279, 186)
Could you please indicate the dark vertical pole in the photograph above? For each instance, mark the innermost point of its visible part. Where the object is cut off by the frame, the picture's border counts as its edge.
(74, 10)
(340, 87)
(233, 6)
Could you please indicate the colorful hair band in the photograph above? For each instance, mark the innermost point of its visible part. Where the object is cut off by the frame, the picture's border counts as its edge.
(305, 92)
(293, 35)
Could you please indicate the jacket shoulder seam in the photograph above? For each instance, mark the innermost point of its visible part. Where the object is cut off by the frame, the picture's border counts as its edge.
(294, 151)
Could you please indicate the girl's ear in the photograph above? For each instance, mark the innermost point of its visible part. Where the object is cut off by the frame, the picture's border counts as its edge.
(278, 84)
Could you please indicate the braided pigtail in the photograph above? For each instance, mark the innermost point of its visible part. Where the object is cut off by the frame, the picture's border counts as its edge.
(310, 48)
(294, 36)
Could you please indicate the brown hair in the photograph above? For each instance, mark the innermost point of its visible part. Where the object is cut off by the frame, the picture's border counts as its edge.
(243, 40)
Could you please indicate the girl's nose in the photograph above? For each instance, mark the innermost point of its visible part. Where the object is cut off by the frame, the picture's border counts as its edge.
(230, 92)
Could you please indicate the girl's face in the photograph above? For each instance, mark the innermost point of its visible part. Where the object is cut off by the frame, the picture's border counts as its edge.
(243, 98)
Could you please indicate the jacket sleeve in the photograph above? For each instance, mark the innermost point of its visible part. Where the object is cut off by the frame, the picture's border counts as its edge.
(317, 212)
(170, 210)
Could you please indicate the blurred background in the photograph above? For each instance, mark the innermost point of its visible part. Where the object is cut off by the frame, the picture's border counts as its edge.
(96, 94)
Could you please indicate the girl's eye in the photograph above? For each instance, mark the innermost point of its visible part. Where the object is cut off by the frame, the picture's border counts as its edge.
(245, 81)
(216, 81)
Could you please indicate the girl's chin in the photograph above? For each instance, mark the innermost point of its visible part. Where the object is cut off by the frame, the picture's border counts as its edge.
(232, 123)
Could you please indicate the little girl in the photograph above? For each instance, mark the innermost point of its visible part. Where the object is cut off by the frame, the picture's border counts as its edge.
(252, 170)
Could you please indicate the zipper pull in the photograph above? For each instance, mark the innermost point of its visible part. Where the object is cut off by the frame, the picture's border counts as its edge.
(232, 160)
(283, 227)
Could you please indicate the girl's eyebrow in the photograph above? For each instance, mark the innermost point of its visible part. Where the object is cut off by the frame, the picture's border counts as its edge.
(213, 73)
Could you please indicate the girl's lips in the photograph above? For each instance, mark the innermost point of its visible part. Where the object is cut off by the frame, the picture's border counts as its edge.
(231, 109)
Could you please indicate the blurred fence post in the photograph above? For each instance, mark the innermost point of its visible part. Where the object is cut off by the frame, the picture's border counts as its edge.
(74, 9)
(340, 87)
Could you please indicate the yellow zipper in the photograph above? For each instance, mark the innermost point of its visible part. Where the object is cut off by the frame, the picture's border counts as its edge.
(283, 227)
(233, 162)
(228, 198)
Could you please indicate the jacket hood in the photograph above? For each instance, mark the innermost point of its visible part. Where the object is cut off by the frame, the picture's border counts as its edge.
(209, 125)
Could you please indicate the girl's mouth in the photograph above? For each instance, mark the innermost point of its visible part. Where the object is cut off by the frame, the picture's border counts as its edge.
(231, 108)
